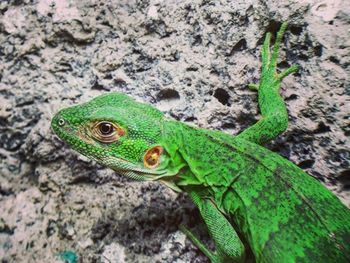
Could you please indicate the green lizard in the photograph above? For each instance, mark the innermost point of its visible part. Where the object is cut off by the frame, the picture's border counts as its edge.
(257, 205)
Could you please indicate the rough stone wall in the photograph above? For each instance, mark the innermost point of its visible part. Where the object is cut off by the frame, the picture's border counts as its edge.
(192, 60)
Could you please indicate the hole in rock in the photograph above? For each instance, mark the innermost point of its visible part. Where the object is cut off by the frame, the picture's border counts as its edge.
(222, 96)
(168, 94)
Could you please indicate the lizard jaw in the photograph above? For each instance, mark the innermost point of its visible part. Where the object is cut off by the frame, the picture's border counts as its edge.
(121, 165)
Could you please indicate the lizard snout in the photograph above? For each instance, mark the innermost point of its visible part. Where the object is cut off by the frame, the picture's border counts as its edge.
(58, 122)
(61, 122)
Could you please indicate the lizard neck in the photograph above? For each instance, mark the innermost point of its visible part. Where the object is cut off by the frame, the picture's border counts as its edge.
(208, 159)
(172, 143)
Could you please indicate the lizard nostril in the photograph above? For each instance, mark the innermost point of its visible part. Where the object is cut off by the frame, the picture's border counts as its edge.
(61, 122)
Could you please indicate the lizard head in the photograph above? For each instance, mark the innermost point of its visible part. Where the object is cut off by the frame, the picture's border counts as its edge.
(120, 133)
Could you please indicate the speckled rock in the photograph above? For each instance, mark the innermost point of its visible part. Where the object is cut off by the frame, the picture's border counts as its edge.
(190, 59)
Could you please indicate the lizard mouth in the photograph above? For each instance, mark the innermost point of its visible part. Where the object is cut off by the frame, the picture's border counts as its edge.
(123, 166)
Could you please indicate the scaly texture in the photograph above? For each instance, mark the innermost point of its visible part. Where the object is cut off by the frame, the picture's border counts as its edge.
(256, 205)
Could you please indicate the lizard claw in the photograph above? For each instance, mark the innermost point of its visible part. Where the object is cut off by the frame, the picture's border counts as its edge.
(269, 60)
(292, 69)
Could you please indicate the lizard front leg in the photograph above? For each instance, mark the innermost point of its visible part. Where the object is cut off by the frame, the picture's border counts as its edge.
(229, 247)
(273, 110)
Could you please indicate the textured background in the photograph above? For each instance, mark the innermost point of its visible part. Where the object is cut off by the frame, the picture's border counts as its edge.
(191, 59)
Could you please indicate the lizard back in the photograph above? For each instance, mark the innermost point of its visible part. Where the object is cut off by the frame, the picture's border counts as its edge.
(284, 214)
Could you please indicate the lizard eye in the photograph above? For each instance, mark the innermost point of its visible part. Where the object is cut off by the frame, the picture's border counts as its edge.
(107, 132)
(106, 128)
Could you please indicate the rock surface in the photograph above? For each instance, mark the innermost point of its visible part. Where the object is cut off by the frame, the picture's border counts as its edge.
(192, 60)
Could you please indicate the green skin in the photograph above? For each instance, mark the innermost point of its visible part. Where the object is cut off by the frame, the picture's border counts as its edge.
(257, 205)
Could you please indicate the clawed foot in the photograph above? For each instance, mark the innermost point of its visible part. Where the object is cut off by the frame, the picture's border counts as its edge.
(269, 62)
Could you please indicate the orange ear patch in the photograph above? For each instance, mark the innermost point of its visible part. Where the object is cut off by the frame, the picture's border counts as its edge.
(151, 158)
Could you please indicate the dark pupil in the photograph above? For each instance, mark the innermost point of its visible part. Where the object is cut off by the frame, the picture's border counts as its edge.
(106, 128)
